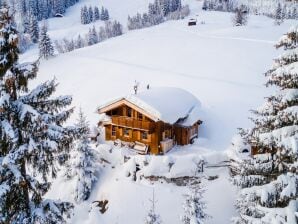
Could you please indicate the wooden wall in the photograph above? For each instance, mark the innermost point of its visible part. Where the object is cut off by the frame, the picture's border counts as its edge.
(181, 135)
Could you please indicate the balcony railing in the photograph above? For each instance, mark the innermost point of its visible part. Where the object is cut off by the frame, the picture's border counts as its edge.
(133, 123)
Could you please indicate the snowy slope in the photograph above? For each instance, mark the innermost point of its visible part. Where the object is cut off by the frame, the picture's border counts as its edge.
(220, 64)
(70, 26)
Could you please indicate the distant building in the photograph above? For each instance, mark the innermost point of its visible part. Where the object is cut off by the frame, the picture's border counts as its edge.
(192, 22)
(153, 121)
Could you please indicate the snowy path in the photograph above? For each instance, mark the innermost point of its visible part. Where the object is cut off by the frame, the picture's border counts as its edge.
(271, 42)
(220, 196)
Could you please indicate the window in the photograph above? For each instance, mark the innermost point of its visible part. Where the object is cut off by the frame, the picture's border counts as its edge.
(144, 135)
(126, 132)
(129, 112)
(113, 131)
(140, 116)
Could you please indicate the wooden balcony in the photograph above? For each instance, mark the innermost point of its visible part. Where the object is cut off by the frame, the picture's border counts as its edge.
(133, 123)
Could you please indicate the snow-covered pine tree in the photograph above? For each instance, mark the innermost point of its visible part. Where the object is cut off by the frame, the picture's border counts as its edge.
(284, 13)
(194, 207)
(96, 13)
(83, 18)
(91, 14)
(79, 43)
(240, 17)
(33, 29)
(278, 18)
(107, 14)
(294, 13)
(164, 6)
(46, 49)
(270, 178)
(83, 164)
(104, 15)
(117, 29)
(153, 217)
(92, 36)
(58, 6)
(102, 35)
(205, 5)
(86, 17)
(32, 138)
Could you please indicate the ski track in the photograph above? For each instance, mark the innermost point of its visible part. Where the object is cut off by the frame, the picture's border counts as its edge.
(181, 74)
(228, 38)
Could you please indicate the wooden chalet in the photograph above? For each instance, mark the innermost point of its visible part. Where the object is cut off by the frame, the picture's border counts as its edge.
(154, 120)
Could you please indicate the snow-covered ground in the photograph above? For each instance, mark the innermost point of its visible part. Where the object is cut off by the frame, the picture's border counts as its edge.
(220, 64)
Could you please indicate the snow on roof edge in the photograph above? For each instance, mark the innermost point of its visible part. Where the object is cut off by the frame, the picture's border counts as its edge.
(187, 106)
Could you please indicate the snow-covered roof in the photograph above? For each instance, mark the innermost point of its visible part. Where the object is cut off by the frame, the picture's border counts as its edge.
(167, 104)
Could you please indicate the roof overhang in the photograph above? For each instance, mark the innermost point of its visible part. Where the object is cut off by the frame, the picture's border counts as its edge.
(122, 102)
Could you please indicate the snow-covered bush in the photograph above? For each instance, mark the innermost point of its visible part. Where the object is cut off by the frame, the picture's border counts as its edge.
(152, 216)
(194, 206)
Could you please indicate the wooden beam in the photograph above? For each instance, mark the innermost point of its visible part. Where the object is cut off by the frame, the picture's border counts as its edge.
(127, 103)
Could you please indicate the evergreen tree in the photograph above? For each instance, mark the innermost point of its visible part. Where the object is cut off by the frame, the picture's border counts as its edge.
(32, 138)
(117, 29)
(164, 6)
(91, 14)
(240, 17)
(152, 216)
(205, 5)
(270, 178)
(102, 35)
(83, 17)
(96, 13)
(194, 207)
(92, 36)
(284, 13)
(46, 49)
(294, 14)
(83, 163)
(33, 29)
(58, 6)
(278, 18)
(107, 15)
(79, 43)
(104, 15)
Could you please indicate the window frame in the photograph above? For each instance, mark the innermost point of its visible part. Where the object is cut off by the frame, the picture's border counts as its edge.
(113, 131)
(140, 116)
(128, 132)
(128, 112)
(142, 135)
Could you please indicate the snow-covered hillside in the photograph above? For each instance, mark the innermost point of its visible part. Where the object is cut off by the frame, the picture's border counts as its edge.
(220, 64)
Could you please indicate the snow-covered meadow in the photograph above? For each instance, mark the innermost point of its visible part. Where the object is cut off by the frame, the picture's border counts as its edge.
(220, 64)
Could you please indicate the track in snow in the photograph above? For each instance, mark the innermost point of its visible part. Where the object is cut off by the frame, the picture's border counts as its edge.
(229, 38)
(181, 74)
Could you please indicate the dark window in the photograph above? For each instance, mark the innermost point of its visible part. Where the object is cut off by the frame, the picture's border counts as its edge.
(144, 135)
(113, 131)
(129, 112)
(126, 132)
(140, 116)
